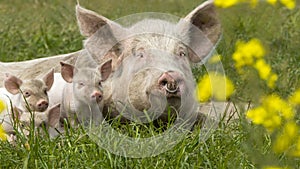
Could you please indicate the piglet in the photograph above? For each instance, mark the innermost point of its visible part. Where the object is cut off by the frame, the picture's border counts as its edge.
(79, 91)
(25, 96)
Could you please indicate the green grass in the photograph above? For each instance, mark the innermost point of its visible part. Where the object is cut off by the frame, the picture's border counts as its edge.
(40, 28)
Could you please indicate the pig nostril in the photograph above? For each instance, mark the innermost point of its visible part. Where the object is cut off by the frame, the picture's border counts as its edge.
(164, 82)
(43, 104)
(171, 86)
(96, 96)
(169, 82)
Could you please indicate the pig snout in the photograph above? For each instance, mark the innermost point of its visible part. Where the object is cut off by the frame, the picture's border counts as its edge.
(97, 95)
(171, 83)
(42, 105)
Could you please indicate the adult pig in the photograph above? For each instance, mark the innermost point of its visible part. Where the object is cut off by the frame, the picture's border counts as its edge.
(152, 59)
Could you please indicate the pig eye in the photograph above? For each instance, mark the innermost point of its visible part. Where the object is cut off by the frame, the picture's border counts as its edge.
(81, 84)
(45, 91)
(100, 84)
(140, 55)
(27, 94)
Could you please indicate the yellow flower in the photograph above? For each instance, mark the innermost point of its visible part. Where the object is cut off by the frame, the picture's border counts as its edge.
(228, 3)
(215, 59)
(253, 3)
(287, 137)
(289, 3)
(296, 152)
(204, 90)
(276, 105)
(257, 115)
(261, 116)
(246, 52)
(215, 86)
(271, 112)
(2, 133)
(272, 2)
(251, 54)
(2, 106)
(275, 167)
(225, 4)
(263, 69)
(272, 80)
(295, 98)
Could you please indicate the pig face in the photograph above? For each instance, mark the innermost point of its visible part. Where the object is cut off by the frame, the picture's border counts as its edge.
(152, 58)
(87, 82)
(152, 68)
(30, 92)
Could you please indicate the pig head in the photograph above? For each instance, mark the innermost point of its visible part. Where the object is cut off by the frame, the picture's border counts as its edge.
(31, 93)
(151, 58)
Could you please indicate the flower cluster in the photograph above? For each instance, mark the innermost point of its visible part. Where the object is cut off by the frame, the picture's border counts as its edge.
(228, 3)
(278, 114)
(271, 112)
(214, 85)
(252, 54)
(2, 132)
(295, 98)
(274, 167)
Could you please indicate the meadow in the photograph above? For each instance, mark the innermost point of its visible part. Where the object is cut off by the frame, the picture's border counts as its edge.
(40, 28)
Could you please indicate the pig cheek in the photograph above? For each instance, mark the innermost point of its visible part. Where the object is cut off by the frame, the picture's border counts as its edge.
(31, 102)
(138, 93)
(81, 93)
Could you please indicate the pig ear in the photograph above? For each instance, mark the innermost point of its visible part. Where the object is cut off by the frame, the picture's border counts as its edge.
(12, 84)
(101, 32)
(49, 79)
(54, 115)
(67, 72)
(204, 18)
(88, 21)
(105, 69)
